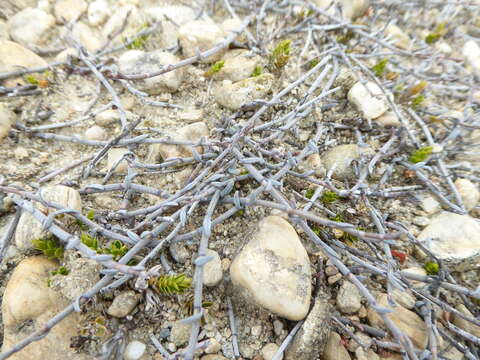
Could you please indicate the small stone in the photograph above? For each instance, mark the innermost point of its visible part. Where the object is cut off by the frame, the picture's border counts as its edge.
(179, 252)
(214, 357)
(86, 36)
(334, 350)
(123, 304)
(310, 340)
(114, 155)
(334, 279)
(468, 192)
(464, 324)
(134, 350)
(191, 115)
(95, 133)
(277, 327)
(363, 338)
(273, 270)
(366, 355)
(368, 99)
(212, 271)
(421, 221)
(256, 330)
(389, 119)
(415, 271)
(116, 21)
(341, 157)
(269, 351)
(133, 60)
(213, 346)
(238, 64)
(362, 313)
(401, 40)
(30, 26)
(234, 95)
(454, 239)
(404, 298)
(331, 270)
(429, 204)
(65, 54)
(68, 10)
(107, 117)
(200, 36)
(313, 162)
(29, 228)
(443, 47)
(6, 120)
(345, 79)
(471, 51)
(180, 333)
(353, 9)
(349, 298)
(98, 12)
(407, 321)
(192, 132)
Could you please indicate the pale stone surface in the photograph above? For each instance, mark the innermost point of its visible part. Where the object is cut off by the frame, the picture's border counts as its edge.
(453, 238)
(407, 321)
(273, 270)
(14, 57)
(27, 304)
(310, 340)
(464, 324)
(471, 51)
(123, 304)
(334, 350)
(212, 271)
(213, 357)
(468, 192)
(114, 155)
(345, 79)
(234, 95)
(213, 346)
(68, 10)
(342, 157)
(4, 30)
(180, 333)
(30, 26)
(429, 204)
(415, 271)
(29, 228)
(231, 25)
(401, 40)
(353, 9)
(107, 117)
(348, 298)
(368, 99)
(6, 120)
(134, 350)
(314, 162)
(269, 351)
(85, 36)
(98, 12)
(239, 64)
(133, 60)
(192, 132)
(366, 355)
(200, 36)
(96, 133)
(403, 298)
(116, 20)
(388, 119)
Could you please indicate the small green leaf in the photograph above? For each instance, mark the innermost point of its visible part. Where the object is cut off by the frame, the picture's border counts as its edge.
(281, 54)
(215, 68)
(61, 270)
(173, 284)
(49, 247)
(31, 79)
(420, 155)
(329, 197)
(417, 101)
(257, 71)
(309, 193)
(90, 241)
(380, 67)
(431, 268)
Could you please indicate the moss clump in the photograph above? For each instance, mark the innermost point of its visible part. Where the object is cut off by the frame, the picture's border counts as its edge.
(439, 31)
(329, 197)
(61, 270)
(312, 63)
(309, 193)
(257, 71)
(139, 42)
(380, 67)
(31, 79)
(417, 101)
(281, 54)
(431, 268)
(420, 155)
(215, 68)
(172, 284)
(49, 247)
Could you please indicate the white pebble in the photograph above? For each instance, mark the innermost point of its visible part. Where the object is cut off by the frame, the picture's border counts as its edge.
(134, 350)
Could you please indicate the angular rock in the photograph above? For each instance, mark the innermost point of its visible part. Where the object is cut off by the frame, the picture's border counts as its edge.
(389, 119)
(415, 271)
(6, 120)
(213, 357)
(212, 271)
(407, 321)
(273, 270)
(334, 350)
(342, 157)
(349, 298)
(239, 64)
(123, 304)
(269, 351)
(200, 36)
(468, 192)
(345, 79)
(401, 40)
(107, 117)
(366, 355)
(15, 57)
(28, 303)
(429, 204)
(454, 239)
(30, 26)
(133, 60)
(192, 132)
(114, 155)
(29, 228)
(234, 95)
(368, 99)
(68, 10)
(404, 298)
(471, 51)
(310, 340)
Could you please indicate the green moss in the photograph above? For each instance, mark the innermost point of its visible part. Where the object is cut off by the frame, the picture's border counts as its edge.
(431, 268)
(380, 67)
(90, 241)
(31, 79)
(344, 39)
(172, 284)
(312, 63)
(329, 197)
(420, 155)
(257, 71)
(436, 34)
(50, 247)
(139, 42)
(241, 212)
(309, 193)
(61, 270)
(281, 54)
(417, 101)
(215, 68)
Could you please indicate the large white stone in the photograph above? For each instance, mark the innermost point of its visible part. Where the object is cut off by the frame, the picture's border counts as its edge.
(353, 9)
(86, 37)
(471, 51)
(348, 298)
(68, 10)
(30, 26)
(334, 350)
(135, 61)
(454, 239)
(371, 103)
(273, 270)
(234, 95)
(200, 36)
(98, 12)
(134, 350)
(468, 192)
(341, 157)
(15, 57)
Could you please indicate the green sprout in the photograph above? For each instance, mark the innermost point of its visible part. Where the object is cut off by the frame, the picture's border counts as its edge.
(380, 67)
(329, 197)
(417, 101)
(61, 270)
(117, 249)
(49, 247)
(421, 154)
(257, 71)
(240, 212)
(90, 216)
(172, 284)
(90, 241)
(215, 68)
(31, 79)
(431, 268)
(281, 54)
(312, 63)
(436, 34)
(309, 193)
(138, 42)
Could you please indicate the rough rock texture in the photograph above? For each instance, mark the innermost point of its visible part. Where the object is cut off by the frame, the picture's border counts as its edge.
(234, 95)
(27, 304)
(342, 156)
(239, 64)
(269, 351)
(464, 324)
(368, 99)
(212, 271)
(30, 26)
(352, 9)
(454, 238)
(180, 333)
(68, 10)
(85, 35)
(6, 120)
(123, 304)
(334, 350)
(14, 57)
(95, 133)
(471, 51)
(116, 20)
(273, 270)
(134, 350)
(114, 155)
(348, 298)
(98, 12)
(200, 36)
(468, 192)
(401, 39)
